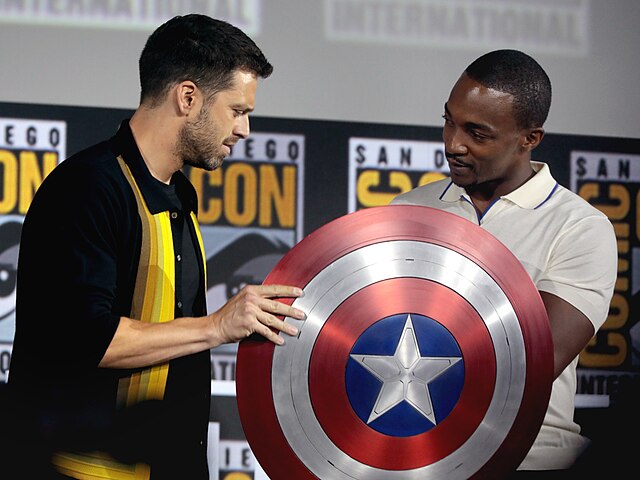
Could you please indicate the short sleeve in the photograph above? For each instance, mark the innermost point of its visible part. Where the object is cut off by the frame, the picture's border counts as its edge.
(582, 267)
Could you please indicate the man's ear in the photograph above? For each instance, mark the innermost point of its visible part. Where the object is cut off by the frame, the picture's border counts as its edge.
(186, 95)
(532, 138)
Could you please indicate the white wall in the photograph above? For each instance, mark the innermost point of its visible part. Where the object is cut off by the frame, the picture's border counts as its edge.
(398, 65)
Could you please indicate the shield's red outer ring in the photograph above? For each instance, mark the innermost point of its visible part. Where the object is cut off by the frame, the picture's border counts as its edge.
(379, 224)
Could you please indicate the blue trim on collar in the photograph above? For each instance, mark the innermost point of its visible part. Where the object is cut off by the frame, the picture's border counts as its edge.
(445, 190)
(555, 187)
(488, 208)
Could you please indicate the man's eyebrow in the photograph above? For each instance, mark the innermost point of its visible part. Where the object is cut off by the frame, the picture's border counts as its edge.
(242, 107)
(478, 126)
(470, 125)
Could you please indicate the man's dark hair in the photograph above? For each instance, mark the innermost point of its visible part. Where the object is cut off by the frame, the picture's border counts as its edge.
(514, 72)
(198, 48)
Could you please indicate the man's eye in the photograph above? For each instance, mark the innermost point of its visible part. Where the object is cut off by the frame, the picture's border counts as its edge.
(476, 135)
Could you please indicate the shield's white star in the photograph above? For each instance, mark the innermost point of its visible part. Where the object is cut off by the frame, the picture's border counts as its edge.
(405, 376)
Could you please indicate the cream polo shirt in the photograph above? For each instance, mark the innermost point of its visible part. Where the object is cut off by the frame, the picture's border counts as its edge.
(569, 249)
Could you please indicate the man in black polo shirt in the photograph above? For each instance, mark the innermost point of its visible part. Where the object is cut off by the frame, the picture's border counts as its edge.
(111, 352)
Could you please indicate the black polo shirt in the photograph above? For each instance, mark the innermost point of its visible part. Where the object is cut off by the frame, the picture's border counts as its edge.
(79, 254)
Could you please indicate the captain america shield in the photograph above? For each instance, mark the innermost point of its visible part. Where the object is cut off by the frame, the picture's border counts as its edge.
(425, 354)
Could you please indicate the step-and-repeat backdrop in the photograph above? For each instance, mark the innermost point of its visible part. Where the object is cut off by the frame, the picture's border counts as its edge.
(293, 176)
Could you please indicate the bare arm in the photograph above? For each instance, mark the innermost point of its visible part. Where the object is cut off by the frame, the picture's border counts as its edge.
(252, 310)
(571, 330)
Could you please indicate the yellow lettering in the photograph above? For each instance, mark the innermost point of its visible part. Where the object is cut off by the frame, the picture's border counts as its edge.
(237, 476)
(370, 179)
(618, 193)
(401, 181)
(622, 284)
(210, 209)
(31, 177)
(243, 193)
(282, 199)
(621, 230)
(618, 313)
(9, 169)
(431, 177)
(616, 340)
(234, 174)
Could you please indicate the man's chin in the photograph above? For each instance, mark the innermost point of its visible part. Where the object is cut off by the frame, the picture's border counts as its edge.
(460, 180)
(209, 165)
(217, 162)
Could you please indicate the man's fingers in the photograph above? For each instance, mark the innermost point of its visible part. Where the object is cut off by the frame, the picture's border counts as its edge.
(257, 307)
(279, 291)
(279, 308)
(269, 334)
(264, 297)
(274, 322)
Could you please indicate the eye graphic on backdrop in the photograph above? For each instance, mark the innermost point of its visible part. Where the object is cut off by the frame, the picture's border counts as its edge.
(10, 229)
(247, 260)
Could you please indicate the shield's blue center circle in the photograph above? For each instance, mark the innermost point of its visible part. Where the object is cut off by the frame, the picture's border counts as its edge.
(404, 375)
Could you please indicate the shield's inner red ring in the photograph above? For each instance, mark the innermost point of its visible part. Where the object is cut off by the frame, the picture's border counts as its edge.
(331, 353)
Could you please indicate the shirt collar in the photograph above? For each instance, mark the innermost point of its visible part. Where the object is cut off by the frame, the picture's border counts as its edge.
(530, 195)
(124, 145)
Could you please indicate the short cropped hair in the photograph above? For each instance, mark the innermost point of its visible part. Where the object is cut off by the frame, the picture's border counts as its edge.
(198, 48)
(516, 73)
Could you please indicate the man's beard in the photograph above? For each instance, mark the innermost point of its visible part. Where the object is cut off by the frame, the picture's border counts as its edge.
(195, 145)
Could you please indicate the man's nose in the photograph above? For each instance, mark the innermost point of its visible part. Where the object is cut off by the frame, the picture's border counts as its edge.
(241, 128)
(454, 141)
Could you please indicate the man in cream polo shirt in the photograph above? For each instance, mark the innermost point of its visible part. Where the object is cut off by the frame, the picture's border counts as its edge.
(493, 121)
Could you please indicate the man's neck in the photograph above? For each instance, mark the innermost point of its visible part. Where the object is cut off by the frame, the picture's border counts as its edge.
(155, 138)
(485, 194)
